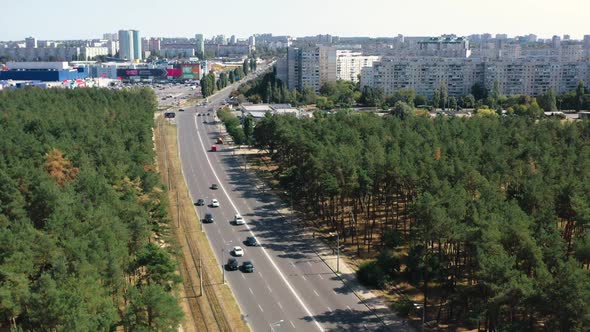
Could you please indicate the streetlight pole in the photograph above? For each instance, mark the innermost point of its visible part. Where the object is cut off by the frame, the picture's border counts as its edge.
(337, 250)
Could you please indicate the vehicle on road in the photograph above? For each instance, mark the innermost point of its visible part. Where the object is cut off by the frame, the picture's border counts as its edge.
(251, 241)
(200, 202)
(238, 219)
(181, 109)
(247, 267)
(214, 148)
(214, 203)
(219, 140)
(214, 186)
(232, 264)
(208, 218)
(238, 251)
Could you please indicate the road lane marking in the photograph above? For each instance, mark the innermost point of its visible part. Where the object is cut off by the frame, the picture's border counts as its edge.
(304, 278)
(280, 305)
(329, 309)
(270, 290)
(252, 234)
(260, 308)
(319, 275)
(316, 293)
(243, 276)
(292, 324)
(251, 292)
(349, 308)
(309, 263)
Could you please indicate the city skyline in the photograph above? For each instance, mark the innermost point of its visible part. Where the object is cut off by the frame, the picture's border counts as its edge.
(181, 18)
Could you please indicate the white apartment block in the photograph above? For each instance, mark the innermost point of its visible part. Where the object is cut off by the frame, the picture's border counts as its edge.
(531, 76)
(349, 64)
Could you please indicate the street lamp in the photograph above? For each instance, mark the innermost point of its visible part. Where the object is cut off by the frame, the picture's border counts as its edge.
(277, 324)
(223, 260)
(337, 250)
(423, 307)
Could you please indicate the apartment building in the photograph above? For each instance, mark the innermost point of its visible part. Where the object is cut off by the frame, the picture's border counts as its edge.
(530, 76)
(315, 65)
(349, 64)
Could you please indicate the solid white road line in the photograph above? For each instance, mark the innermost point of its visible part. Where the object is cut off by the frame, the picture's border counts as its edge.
(252, 234)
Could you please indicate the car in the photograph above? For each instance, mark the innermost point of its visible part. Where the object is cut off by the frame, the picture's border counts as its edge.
(238, 219)
(214, 203)
(200, 202)
(232, 264)
(248, 267)
(238, 251)
(208, 114)
(214, 186)
(181, 109)
(251, 241)
(208, 218)
(199, 114)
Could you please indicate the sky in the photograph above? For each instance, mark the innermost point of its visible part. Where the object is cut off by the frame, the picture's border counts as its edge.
(84, 19)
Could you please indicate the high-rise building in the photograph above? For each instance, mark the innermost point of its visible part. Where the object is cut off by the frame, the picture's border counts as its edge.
(349, 64)
(136, 45)
(232, 40)
(126, 44)
(129, 45)
(252, 42)
(200, 43)
(556, 42)
(31, 42)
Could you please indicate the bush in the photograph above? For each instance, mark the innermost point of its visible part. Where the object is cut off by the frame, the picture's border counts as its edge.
(404, 306)
(371, 274)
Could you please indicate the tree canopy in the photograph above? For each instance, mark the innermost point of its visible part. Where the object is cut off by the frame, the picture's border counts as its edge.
(80, 207)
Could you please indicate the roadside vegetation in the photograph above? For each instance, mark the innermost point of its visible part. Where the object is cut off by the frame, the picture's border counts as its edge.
(487, 216)
(83, 227)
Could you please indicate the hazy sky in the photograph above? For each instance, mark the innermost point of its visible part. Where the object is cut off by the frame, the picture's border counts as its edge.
(81, 19)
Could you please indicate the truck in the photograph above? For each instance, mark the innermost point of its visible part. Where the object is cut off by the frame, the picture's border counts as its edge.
(214, 148)
(220, 140)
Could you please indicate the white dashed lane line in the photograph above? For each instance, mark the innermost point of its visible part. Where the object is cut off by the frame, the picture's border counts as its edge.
(316, 293)
(260, 308)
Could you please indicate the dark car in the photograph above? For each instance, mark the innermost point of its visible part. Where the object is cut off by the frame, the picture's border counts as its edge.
(208, 114)
(214, 186)
(208, 218)
(181, 110)
(198, 114)
(251, 241)
(232, 264)
(248, 267)
(200, 202)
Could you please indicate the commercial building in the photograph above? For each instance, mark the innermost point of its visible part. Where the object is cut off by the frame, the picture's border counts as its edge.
(42, 71)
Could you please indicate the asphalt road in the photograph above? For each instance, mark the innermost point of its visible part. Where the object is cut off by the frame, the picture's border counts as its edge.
(291, 289)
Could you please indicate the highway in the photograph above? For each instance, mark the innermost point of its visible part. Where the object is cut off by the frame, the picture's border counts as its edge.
(291, 289)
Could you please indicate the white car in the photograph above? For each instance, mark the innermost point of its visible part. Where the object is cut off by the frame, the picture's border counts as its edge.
(238, 251)
(214, 203)
(238, 219)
